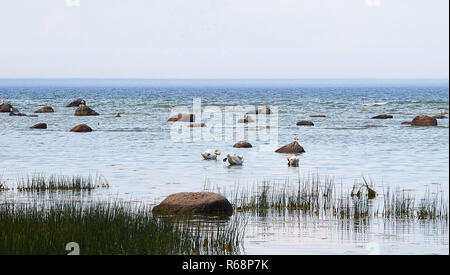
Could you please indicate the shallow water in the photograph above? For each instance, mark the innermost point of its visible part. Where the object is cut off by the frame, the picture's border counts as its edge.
(142, 161)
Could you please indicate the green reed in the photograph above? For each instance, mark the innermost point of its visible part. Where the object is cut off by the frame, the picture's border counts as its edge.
(111, 228)
(40, 182)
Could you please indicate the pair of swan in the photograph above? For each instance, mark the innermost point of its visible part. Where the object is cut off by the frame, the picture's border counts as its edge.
(232, 160)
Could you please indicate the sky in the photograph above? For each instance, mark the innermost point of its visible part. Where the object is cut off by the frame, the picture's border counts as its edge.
(221, 39)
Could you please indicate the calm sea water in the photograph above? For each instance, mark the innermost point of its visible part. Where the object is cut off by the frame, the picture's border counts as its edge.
(142, 161)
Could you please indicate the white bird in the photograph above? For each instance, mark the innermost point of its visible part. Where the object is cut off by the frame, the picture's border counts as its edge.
(292, 161)
(211, 154)
(234, 160)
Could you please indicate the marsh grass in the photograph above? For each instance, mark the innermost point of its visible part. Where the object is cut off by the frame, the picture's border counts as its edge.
(40, 182)
(111, 228)
(321, 197)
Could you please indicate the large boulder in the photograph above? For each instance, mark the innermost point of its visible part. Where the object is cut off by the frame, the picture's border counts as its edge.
(84, 110)
(291, 148)
(82, 128)
(243, 144)
(194, 203)
(182, 117)
(424, 121)
(76, 103)
(45, 109)
(305, 123)
(39, 126)
(382, 117)
(5, 107)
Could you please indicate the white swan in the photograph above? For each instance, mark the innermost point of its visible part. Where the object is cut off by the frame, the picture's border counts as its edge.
(211, 154)
(292, 161)
(235, 159)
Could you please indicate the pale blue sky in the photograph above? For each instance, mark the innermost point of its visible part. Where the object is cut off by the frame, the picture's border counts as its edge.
(224, 39)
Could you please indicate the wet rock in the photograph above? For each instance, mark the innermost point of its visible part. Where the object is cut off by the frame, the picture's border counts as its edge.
(39, 126)
(194, 203)
(16, 114)
(264, 110)
(82, 128)
(45, 109)
(424, 121)
(246, 119)
(291, 148)
(317, 116)
(84, 110)
(197, 125)
(76, 103)
(305, 123)
(183, 118)
(243, 144)
(6, 108)
(382, 117)
(406, 123)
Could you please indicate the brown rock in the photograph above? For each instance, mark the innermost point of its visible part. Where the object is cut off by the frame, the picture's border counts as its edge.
(84, 110)
(183, 118)
(317, 116)
(81, 128)
(291, 148)
(382, 117)
(39, 126)
(305, 123)
(243, 144)
(45, 109)
(16, 114)
(76, 103)
(406, 122)
(194, 203)
(118, 115)
(197, 125)
(424, 121)
(5, 107)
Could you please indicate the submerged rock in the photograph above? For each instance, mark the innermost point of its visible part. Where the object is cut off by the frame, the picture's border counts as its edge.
(246, 119)
(118, 115)
(183, 118)
(197, 125)
(305, 123)
(39, 126)
(382, 117)
(317, 116)
(81, 128)
(424, 121)
(291, 148)
(76, 103)
(243, 144)
(264, 110)
(406, 123)
(45, 109)
(84, 110)
(17, 114)
(6, 108)
(194, 203)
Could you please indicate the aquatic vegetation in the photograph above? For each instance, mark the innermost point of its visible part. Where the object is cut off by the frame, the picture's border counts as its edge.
(111, 228)
(318, 197)
(40, 182)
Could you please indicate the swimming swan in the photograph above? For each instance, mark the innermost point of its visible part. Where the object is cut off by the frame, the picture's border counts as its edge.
(292, 161)
(234, 160)
(211, 154)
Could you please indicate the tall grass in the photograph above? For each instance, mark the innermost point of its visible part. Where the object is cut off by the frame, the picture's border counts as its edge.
(111, 228)
(40, 182)
(319, 197)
